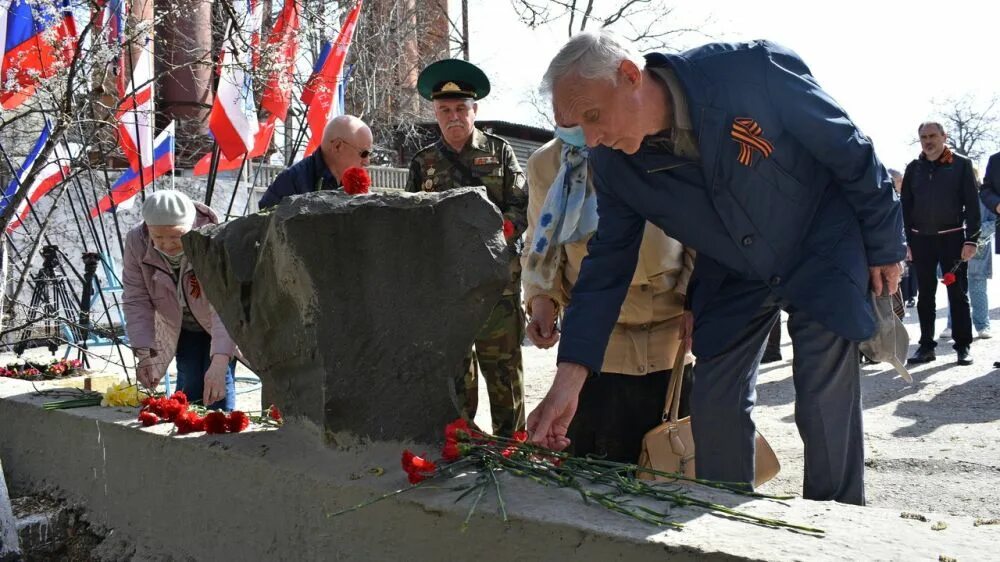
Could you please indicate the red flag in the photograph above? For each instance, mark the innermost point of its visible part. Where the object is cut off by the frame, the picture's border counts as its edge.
(284, 41)
(262, 140)
(322, 85)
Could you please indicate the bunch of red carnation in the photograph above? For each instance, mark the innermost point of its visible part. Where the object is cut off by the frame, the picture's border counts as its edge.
(459, 441)
(176, 409)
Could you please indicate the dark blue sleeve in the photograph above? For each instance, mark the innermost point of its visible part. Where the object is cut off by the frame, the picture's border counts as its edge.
(816, 121)
(990, 192)
(605, 276)
(281, 187)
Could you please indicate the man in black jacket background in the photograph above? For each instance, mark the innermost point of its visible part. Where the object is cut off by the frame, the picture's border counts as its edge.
(990, 195)
(941, 216)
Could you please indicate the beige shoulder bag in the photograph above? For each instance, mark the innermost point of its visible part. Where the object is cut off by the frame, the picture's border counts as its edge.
(669, 447)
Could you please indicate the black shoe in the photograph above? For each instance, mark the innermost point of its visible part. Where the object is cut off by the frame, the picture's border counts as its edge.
(770, 358)
(911, 303)
(924, 354)
(964, 356)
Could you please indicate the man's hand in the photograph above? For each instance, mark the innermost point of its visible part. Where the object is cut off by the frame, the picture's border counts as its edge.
(542, 327)
(549, 421)
(687, 330)
(146, 372)
(885, 276)
(215, 380)
(969, 251)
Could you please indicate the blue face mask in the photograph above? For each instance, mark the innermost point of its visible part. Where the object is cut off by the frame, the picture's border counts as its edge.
(572, 136)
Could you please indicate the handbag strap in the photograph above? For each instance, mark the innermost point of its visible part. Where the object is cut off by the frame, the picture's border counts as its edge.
(672, 406)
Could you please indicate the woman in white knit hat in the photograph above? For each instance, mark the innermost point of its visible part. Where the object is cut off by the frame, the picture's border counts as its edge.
(167, 314)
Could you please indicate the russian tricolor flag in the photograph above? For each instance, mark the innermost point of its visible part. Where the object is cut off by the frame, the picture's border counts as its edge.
(233, 120)
(54, 172)
(29, 53)
(112, 32)
(130, 184)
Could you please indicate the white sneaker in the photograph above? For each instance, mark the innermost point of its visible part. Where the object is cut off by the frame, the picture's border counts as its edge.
(985, 334)
(945, 334)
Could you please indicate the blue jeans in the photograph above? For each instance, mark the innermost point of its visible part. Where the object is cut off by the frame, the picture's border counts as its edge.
(194, 355)
(980, 304)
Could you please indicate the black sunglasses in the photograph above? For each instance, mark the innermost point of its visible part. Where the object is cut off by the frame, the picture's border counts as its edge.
(362, 153)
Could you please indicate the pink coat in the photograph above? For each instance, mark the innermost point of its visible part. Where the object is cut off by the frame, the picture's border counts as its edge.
(152, 311)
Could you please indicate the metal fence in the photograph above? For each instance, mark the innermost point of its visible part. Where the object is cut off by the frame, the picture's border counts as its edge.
(382, 177)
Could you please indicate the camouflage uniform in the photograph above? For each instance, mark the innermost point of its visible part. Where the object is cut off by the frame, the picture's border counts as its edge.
(490, 162)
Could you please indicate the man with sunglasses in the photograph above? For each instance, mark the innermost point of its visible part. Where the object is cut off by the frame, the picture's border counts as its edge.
(465, 156)
(347, 143)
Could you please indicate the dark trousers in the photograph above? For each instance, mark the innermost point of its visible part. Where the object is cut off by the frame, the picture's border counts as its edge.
(826, 375)
(194, 355)
(773, 349)
(909, 283)
(944, 250)
(615, 411)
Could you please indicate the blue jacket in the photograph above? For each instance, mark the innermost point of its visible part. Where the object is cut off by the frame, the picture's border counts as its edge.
(989, 194)
(305, 176)
(805, 222)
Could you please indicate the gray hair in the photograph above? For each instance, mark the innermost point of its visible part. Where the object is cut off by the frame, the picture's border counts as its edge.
(931, 123)
(591, 55)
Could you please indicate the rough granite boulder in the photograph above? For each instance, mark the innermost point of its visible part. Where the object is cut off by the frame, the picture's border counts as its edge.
(356, 312)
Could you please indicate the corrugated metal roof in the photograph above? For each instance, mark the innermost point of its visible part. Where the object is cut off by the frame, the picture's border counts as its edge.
(522, 148)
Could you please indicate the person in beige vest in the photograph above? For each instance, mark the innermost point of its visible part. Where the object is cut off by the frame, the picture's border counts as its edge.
(626, 399)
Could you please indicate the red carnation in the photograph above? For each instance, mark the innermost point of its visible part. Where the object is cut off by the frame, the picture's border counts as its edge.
(180, 397)
(237, 421)
(508, 452)
(172, 409)
(508, 229)
(451, 451)
(155, 405)
(274, 413)
(215, 422)
(521, 436)
(949, 279)
(356, 181)
(417, 468)
(148, 418)
(457, 430)
(189, 422)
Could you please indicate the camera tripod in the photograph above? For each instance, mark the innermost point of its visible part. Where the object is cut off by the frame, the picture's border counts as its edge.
(52, 307)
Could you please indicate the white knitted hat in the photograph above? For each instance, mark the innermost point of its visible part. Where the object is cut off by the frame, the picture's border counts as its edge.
(168, 208)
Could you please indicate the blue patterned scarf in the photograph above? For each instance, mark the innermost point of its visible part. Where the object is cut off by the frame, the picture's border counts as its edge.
(569, 214)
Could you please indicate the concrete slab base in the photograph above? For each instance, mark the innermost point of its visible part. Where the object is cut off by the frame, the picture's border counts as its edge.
(272, 495)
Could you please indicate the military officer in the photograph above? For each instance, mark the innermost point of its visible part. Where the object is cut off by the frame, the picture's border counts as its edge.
(466, 156)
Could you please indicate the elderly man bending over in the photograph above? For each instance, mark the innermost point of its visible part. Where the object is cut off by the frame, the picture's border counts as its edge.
(347, 143)
(736, 151)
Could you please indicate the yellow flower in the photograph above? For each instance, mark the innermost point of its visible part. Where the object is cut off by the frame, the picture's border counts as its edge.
(123, 394)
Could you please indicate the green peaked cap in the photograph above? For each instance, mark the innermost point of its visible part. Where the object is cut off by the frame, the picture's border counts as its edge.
(452, 79)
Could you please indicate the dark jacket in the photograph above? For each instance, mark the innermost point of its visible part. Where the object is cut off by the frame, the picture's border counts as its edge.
(990, 193)
(305, 176)
(804, 223)
(940, 196)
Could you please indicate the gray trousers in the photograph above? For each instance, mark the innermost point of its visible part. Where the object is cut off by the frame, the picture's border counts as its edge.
(826, 374)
